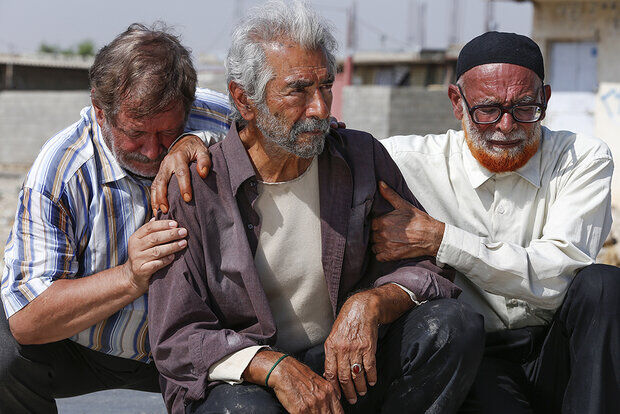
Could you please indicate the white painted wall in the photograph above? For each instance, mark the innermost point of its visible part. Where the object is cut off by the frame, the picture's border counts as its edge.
(607, 127)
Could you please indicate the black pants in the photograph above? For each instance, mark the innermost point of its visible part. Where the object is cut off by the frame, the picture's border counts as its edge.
(572, 366)
(426, 361)
(32, 376)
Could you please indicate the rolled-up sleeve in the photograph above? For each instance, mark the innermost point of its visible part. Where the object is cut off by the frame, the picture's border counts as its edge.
(41, 249)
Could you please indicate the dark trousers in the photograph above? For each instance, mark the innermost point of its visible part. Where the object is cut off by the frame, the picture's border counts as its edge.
(572, 366)
(32, 376)
(426, 361)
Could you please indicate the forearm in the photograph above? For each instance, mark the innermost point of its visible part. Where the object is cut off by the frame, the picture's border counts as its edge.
(69, 306)
(539, 273)
(259, 367)
(390, 302)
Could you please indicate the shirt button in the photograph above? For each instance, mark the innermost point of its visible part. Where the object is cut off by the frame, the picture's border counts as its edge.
(252, 183)
(501, 210)
(250, 226)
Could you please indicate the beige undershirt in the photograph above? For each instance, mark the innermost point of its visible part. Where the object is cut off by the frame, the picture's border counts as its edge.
(289, 262)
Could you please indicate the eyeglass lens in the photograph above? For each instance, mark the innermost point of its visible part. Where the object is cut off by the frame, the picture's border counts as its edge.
(525, 113)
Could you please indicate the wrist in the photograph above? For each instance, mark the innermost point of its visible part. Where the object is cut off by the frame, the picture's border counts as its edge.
(439, 229)
(273, 368)
(132, 287)
(258, 368)
(390, 301)
(367, 303)
(184, 137)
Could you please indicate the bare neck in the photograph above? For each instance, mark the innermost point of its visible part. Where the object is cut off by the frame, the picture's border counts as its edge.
(271, 163)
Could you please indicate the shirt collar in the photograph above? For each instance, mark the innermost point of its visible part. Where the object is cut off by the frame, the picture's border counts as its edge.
(478, 174)
(110, 169)
(240, 168)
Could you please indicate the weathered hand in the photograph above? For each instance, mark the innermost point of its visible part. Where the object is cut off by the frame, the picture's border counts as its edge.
(151, 248)
(300, 390)
(189, 148)
(353, 340)
(406, 232)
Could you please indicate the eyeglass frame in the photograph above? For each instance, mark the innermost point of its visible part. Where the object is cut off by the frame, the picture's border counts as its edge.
(505, 109)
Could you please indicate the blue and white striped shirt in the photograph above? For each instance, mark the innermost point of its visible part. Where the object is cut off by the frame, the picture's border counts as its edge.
(76, 212)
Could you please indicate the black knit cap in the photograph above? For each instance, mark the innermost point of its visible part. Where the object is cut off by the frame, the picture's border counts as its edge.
(500, 47)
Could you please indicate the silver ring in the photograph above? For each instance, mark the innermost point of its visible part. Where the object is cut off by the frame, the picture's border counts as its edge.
(356, 368)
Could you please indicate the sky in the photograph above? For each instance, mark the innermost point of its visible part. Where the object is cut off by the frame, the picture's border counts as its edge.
(204, 26)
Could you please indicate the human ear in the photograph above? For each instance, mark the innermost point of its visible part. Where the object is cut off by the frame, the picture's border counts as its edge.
(240, 98)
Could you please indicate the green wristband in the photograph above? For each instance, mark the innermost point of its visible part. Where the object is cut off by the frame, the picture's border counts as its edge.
(273, 367)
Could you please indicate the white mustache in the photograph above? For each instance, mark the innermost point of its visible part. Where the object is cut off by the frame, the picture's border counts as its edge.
(499, 136)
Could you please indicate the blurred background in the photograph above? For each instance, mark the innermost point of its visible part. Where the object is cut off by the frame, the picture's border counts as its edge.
(396, 59)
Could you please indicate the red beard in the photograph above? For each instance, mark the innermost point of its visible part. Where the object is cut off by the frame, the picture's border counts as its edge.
(503, 162)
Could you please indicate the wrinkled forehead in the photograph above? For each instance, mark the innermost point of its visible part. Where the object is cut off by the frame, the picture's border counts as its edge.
(285, 57)
(504, 81)
(171, 117)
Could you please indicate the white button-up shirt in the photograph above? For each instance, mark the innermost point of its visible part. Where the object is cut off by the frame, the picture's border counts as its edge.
(517, 239)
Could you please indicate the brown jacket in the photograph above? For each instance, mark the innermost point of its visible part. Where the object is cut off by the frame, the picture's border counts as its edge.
(210, 303)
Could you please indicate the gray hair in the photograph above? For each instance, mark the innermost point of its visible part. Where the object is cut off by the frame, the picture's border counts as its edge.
(246, 63)
(147, 66)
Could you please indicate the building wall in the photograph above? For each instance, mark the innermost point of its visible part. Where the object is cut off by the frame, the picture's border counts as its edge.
(46, 78)
(28, 119)
(607, 125)
(367, 108)
(386, 111)
(570, 21)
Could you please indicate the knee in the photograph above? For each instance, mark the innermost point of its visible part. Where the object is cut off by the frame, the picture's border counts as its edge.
(456, 326)
(238, 399)
(9, 355)
(595, 286)
(9, 362)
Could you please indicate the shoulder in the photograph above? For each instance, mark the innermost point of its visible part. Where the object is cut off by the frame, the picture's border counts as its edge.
(207, 98)
(61, 157)
(210, 111)
(566, 148)
(432, 144)
(355, 146)
(205, 190)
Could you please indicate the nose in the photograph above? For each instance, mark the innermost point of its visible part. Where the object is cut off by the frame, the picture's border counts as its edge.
(506, 123)
(317, 107)
(151, 148)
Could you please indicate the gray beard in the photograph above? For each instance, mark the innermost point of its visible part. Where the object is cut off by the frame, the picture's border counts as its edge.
(123, 158)
(275, 132)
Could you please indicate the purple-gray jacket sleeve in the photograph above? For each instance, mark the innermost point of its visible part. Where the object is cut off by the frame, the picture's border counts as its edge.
(185, 334)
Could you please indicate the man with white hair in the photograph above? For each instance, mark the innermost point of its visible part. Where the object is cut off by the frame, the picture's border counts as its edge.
(277, 303)
(520, 212)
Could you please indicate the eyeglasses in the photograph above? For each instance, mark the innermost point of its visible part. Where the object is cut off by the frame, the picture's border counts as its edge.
(490, 114)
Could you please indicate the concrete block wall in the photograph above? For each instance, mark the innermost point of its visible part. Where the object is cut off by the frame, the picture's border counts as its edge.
(386, 111)
(367, 108)
(420, 111)
(28, 119)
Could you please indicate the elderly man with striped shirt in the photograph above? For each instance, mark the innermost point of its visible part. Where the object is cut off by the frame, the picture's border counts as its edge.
(83, 247)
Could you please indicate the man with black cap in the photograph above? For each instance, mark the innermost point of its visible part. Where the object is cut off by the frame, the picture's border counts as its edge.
(520, 212)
